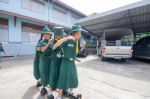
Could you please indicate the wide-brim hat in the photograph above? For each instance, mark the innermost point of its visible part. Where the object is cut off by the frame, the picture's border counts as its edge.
(58, 31)
(76, 28)
(47, 31)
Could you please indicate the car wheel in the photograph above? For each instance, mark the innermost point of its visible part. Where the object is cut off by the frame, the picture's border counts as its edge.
(99, 55)
(123, 60)
(103, 58)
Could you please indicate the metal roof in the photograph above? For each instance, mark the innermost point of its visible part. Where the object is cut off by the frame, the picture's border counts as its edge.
(117, 34)
(135, 16)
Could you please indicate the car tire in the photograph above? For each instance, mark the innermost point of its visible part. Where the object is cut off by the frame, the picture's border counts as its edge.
(99, 55)
(123, 60)
(103, 58)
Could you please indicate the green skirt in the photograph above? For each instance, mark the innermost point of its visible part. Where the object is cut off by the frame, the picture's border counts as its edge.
(54, 72)
(0, 57)
(68, 75)
(44, 70)
(36, 70)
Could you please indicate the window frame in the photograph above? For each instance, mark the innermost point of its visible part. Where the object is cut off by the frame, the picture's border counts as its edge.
(5, 26)
(39, 2)
(7, 2)
(54, 8)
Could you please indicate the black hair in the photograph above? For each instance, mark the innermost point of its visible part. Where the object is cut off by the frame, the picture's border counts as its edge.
(73, 32)
(40, 38)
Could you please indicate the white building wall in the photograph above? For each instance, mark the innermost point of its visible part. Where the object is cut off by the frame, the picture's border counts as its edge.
(15, 41)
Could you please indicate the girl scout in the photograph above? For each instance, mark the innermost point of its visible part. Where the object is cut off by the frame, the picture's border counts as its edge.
(1, 50)
(68, 72)
(45, 52)
(36, 70)
(55, 62)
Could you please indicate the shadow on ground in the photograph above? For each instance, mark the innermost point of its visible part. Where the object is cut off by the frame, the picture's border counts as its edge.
(32, 93)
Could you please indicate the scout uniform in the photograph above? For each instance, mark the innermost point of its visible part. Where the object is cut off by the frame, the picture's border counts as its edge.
(36, 70)
(36, 66)
(1, 50)
(55, 61)
(68, 72)
(44, 60)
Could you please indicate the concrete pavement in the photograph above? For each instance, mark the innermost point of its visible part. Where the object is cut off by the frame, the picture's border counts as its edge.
(97, 80)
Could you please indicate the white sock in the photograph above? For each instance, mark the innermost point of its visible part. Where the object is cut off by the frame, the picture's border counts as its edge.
(71, 90)
(41, 87)
(49, 93)
(59, 97)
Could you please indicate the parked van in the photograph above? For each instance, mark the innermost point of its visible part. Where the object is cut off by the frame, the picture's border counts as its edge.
(116, 44)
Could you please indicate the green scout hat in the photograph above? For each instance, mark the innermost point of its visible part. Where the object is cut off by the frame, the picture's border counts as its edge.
(58, 31)
(47, 31)
(76, 28)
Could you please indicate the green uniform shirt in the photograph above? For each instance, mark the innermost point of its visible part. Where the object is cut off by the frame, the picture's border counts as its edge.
(37, 53)
(69, 50)
(57, 53)
(48, 50)
(44, 63)
(68, 73)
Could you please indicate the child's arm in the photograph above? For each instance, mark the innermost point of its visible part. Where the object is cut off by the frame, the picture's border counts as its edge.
(60, 42)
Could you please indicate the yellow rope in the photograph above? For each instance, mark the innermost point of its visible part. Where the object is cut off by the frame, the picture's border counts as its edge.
(77, 48)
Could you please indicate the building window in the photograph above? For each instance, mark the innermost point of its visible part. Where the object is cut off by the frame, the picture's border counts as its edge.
(25, 36)
(4, 1)
(4, 31)
(74, 18)
(31, 33)
(30, 36)
(34, 5)
(26, 4)
(59, 15)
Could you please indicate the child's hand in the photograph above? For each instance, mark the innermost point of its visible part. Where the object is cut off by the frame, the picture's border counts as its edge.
(50, 40)
(71, 38)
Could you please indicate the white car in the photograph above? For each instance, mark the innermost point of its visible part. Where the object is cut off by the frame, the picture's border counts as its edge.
(116, 44)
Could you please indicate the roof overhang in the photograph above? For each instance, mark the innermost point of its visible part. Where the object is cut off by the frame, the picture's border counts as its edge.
(135, 16)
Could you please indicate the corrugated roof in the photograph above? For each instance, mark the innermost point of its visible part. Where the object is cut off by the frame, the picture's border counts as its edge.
(135, 16)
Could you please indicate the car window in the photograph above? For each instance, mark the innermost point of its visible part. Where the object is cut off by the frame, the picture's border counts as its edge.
(147, 41)
(140, 42)
(110, 43)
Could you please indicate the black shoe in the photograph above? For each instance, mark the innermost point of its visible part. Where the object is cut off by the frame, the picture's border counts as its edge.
(79, 96)
(66, 93)
(50, 96)
(43, 91)
(75, 96)
(38, 84)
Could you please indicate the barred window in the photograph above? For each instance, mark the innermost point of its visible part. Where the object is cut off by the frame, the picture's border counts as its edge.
(4, 31)
(30, 36)
(4, 1)
(31, 33)
(25, 36)
(34, 5)
(26, 4)
(59, 15)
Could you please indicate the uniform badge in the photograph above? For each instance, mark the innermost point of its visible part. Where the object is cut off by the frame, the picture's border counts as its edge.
(70, 45)
(58, 55)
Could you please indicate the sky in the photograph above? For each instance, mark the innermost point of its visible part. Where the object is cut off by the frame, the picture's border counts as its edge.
(90, 6)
